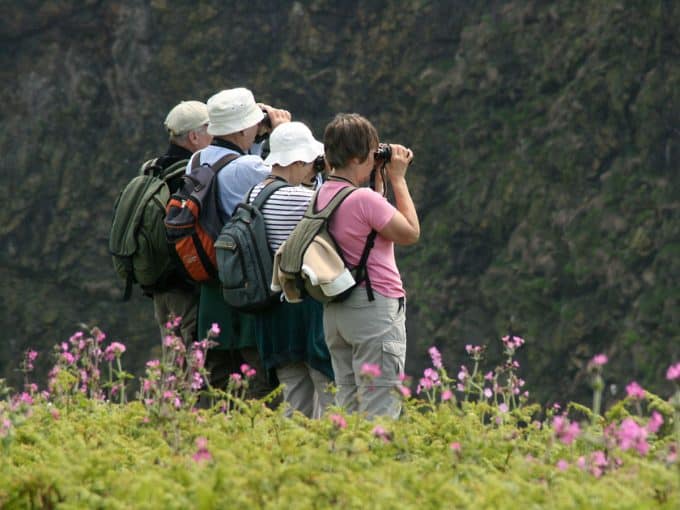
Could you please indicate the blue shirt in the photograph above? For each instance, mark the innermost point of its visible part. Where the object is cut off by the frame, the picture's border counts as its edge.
(236, 179)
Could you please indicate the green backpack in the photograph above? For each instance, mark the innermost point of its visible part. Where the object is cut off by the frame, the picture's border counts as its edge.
(137, 241)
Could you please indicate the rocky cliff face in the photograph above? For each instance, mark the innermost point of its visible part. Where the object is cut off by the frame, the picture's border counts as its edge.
(546, 136)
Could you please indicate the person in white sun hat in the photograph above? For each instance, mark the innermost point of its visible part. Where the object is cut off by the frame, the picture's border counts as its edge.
(290, 337)
(235, 120)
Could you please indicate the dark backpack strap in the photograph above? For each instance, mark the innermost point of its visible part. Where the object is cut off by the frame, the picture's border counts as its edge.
(267, 191)
(224, 161)
(196, 160)
(129, 280)
(177, 169)
(331, 206)
(362, 270)
(149, 167)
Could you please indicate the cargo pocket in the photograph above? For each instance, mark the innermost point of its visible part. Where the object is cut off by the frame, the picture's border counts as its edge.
(394, 356)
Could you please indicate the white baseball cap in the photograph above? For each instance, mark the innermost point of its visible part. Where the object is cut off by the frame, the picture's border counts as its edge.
(231, 111)
(186, 116)
(291, 142)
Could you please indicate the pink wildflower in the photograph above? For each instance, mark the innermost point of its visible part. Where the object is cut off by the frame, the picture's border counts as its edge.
(198, 359)
(381, 433)
(565, 430)
(463, 373)
(75, 337)
(632, 435)
(370, 370)
(673, 372)
(68, 358)
(405, 392)
(599, 360)
(154, 363)
(654, 423)
(424, 384)
(173, 323)
(25, 398)
(214, 329)
(503, 407)
(446, 395)
(114, 350)
(248, 371)
(202, 452)
(598, 463)
(634, 390)
(5, 427)
(488, 393)
(512, 342)
(196, 381)
(581, 462)
(338, 421)
(474, 350)
(436, 357)
(431, 375)
(562, 465)
(236, 380)
(488, 376)
(455, 446)
(672, 454)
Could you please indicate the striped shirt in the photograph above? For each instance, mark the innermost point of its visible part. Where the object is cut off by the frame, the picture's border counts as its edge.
(283, 211)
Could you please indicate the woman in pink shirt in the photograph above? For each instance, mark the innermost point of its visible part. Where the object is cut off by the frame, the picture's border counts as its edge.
(369, 326)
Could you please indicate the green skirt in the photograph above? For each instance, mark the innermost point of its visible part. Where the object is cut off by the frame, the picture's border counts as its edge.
(291, 332)
(237, 330)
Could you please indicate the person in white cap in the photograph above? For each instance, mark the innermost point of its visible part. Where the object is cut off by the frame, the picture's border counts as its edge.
(187, 125)
(235, 120)
(290, 337)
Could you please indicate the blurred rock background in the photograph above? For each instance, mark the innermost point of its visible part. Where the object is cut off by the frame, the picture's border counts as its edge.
(547, 142)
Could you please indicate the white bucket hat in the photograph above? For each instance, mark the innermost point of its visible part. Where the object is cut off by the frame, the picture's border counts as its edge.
(291, 142)
(231, 111)
(186, 116)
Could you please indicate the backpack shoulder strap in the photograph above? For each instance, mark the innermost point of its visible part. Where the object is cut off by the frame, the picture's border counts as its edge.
(148, 166)
(266, 192)
(330, 208)
(224, 161)
(177, 169)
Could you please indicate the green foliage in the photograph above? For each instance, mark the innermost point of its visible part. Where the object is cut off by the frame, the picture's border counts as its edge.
(100, 455)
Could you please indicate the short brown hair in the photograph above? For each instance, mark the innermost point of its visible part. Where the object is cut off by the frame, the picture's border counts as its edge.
(347, 136)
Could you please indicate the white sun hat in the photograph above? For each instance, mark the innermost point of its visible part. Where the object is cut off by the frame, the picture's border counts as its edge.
(291, 142)
(231, 111)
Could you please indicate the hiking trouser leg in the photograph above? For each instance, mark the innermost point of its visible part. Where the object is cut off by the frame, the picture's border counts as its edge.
(341, 359)
(376, 331)
(322, 397)
(179, 303)
(298, 391)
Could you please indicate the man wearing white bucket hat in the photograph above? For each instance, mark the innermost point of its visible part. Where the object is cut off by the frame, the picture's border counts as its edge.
(289, 336)
(235, 120)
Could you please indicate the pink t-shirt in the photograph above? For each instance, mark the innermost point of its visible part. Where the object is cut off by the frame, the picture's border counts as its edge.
(350, 225)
